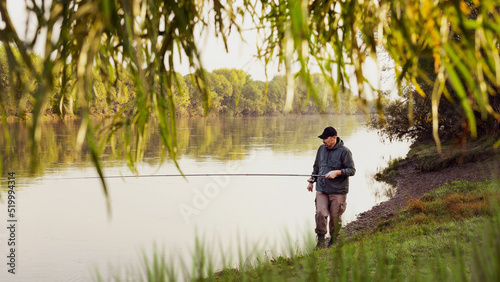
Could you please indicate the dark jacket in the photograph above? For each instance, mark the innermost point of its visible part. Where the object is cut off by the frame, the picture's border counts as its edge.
(337, 158)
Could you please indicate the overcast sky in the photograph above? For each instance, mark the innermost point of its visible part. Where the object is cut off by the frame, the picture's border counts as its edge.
(241, 54)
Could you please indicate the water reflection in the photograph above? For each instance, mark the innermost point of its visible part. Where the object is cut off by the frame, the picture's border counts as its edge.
(278, 144)
(67, 218)
(199, 138)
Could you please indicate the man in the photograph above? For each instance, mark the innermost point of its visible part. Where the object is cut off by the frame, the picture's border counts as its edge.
(334, 164)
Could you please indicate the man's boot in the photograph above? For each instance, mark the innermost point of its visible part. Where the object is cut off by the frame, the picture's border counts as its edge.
(322, 243)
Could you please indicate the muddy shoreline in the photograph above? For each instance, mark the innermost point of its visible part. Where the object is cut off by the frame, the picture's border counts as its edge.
(413, 183)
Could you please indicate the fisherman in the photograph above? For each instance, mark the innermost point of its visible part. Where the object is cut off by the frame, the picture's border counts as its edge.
(334, 161)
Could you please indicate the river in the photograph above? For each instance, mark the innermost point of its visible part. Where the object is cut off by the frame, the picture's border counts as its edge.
(64, 231)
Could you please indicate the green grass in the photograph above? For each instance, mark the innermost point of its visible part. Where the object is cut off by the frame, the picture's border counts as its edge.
(441, 242)
(450, 234)
(389, 173)
(426, 156)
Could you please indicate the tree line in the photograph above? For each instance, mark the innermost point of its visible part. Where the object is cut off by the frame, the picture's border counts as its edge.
(231, 92)
(220, 138)
(447, 51)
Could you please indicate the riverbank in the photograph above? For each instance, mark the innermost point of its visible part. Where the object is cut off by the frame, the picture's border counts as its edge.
(423, 171)
(442, 223)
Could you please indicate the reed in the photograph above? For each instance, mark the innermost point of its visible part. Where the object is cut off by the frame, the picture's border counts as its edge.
(447, 246)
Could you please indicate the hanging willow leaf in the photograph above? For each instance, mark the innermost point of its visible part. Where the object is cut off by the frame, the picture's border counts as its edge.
(132, 46)
(141, 37)
(464, 99)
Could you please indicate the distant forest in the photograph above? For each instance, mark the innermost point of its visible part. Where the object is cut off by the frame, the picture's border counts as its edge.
(232, 92)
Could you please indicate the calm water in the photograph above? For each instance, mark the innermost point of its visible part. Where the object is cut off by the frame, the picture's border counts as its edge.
(65, 233)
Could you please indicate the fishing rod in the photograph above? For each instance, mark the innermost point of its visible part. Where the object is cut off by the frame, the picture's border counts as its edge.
(194, 175)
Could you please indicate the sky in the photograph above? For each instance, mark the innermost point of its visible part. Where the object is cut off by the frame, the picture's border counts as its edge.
(241, 54)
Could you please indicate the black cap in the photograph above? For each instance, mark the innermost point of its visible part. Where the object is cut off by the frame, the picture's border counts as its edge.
(329, 131)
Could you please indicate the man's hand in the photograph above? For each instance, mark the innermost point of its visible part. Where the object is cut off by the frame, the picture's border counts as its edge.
(310, 187)
(332, 174)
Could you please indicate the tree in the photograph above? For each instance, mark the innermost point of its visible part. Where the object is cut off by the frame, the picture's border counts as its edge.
(220, 92)
(432, 105)
(146, 37)
(342, 102)
(181, 96)
(18, 84)
(237, 79)
(275, 97)
(340, 35)
(397, 125)
(251, 101)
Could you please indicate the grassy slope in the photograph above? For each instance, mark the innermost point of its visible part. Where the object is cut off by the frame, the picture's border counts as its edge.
(450, 234)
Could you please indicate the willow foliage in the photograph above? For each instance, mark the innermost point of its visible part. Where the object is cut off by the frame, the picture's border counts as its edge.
(460, 37)
(147, 37)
